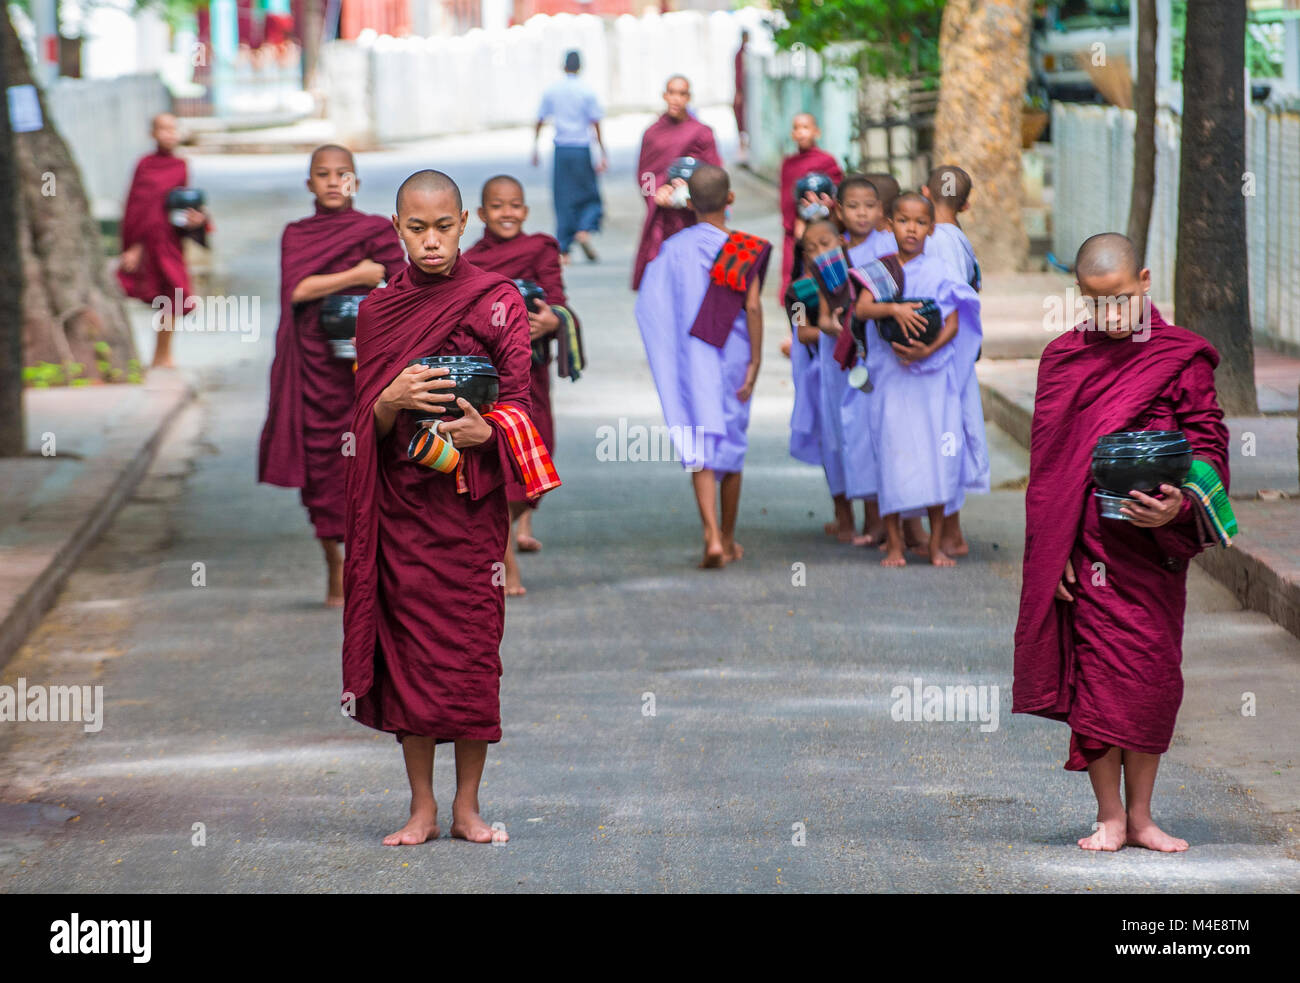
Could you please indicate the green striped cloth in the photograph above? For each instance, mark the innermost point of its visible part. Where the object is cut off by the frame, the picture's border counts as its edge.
(573, 361)
(1214, 513)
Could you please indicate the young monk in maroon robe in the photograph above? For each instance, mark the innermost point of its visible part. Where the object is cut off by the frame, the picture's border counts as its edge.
(807, 158)
(338, 250)
(1099, 637)
(425, 611)
(152, 264)
(506, 249)
(674, 134)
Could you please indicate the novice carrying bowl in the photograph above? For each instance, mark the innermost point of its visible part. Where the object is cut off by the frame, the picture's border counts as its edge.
(892, 331)
(338, 321)
(476, 379)
(1137, 460)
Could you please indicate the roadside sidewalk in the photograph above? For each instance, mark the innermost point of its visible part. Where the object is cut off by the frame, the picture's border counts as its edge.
(1262, 567)
(88, 449)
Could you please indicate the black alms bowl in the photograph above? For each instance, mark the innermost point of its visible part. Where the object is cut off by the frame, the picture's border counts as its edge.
(682, 167)
(184, 198)
(534, 296)
(338, 315)
(476, 380)
(891, 331)
(1141, 460)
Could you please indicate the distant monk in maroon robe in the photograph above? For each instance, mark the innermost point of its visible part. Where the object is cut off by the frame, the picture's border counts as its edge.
(1099, 637)
(152, 265)
(674, 134)
(506, 249)
(807, 158)
(425, 610)
(338, 250)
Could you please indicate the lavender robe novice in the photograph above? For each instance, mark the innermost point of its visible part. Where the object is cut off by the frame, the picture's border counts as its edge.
(697, 382)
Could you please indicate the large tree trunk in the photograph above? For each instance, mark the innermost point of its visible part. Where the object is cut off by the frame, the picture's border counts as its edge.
(71, 301)
(1210, 284)
(313, 26)
(984, 53)
(12, 439)
(1144, 136)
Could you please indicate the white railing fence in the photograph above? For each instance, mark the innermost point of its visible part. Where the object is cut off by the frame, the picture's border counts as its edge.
(1094, 179)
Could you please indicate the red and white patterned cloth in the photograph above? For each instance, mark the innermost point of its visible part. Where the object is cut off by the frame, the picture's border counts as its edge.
(535, 464)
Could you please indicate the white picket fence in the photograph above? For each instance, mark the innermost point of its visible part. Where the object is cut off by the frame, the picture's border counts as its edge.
(106, 125)
(385, 89)
(1093, 180)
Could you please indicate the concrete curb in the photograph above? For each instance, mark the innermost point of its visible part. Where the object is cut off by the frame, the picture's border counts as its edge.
(1244, 568)
(44, 588)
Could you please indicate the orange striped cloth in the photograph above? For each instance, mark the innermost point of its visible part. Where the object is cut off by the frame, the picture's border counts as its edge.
(535, 464)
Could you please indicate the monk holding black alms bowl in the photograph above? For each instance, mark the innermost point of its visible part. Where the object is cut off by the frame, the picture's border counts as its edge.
(1137, 459)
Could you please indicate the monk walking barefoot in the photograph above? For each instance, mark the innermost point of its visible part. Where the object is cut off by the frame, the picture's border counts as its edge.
(152, 265)
(702, 325)
(466, 823)
(1099, 636)
(514, 582)
(554, 330)
(337, 250)
(425, 615)
(334, 573)
(423, 824)
(915, 410)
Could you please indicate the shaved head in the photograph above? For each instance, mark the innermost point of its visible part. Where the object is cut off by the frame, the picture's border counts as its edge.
(913, 196)
(709, 186)
(854, 181)
(429, 182)
(821, 223)
(332, 148)
(809, 118)
(1105, 254)
(500, 179)
(949, 184)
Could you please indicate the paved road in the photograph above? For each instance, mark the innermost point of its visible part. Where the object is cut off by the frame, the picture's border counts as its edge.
(772, 700)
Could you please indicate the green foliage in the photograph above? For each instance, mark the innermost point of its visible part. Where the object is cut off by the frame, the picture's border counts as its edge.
(46, 374)
(902, 36)
(177, 13)
(1263, 45)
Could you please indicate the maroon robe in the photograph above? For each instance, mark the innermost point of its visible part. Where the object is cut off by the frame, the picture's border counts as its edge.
(144, 222)
(533, 257)
(794, 167)
(310, 408)
(1109, 663)
(425, 603)
(665, 141)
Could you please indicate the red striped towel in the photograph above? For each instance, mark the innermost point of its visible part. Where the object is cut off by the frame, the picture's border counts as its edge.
(535, 464)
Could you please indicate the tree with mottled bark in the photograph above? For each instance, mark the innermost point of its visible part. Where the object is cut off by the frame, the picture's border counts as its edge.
(1210, 282)
(1144, 134)
(70, 301)
(984, 55)
(12, 438)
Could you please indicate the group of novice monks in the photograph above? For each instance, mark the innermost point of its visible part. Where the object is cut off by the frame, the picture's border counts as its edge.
(1100, 653)
(911, 442)
(424, 611)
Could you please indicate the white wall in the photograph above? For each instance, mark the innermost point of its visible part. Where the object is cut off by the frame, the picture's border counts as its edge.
(106, 124)
(490, 78)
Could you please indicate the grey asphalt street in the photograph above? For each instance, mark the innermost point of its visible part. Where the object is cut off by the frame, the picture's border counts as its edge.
(771, 761)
